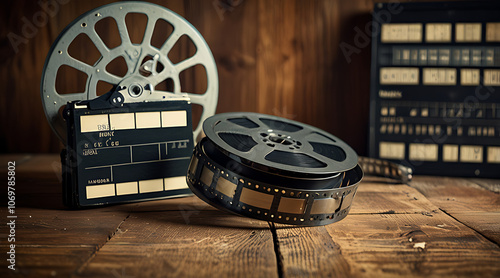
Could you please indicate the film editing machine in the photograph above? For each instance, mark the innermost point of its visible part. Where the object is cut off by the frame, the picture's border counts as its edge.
(137, 142)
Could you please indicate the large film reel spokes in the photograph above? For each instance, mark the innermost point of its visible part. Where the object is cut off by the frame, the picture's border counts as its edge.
(284, 145)
(136, 59)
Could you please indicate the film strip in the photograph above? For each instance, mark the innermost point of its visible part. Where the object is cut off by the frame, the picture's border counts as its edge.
(292, 173)
(230, 191)
(384, 168)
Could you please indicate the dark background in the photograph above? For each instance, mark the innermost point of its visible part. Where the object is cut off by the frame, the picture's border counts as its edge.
(274, 57)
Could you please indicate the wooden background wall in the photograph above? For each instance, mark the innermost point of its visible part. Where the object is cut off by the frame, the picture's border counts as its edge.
(274, 57)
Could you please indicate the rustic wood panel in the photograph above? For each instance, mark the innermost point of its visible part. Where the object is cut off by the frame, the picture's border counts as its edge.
(274, 57)
(231, 32)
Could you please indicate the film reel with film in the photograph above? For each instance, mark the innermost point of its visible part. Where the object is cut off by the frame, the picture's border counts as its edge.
(147, 65)
(274, 169)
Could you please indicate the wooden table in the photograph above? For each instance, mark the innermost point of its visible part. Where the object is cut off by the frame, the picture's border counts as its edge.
(436, 226)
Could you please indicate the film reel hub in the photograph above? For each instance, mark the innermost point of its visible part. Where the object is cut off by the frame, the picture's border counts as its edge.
(273, 139)
(274, 169)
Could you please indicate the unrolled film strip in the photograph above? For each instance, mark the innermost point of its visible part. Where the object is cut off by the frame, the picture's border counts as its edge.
(384, 168)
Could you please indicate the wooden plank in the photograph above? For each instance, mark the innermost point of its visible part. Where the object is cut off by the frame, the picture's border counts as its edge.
(491, 185)
(58, 241)
(465, 200)
(40, 167)
(378, 195)
(388, 245)
(381, 237)
(277, 58)
(310, 251)
(185, 237)
(457, 193)
(48, 261)
(68, 227)
(38, 180)
(50, 239)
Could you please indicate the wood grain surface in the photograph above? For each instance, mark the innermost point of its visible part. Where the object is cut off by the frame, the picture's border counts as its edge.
(469, 201)
(433, 227)
(273, 57)
(394, 231)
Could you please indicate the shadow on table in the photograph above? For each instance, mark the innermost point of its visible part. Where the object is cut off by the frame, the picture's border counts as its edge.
(193, 211)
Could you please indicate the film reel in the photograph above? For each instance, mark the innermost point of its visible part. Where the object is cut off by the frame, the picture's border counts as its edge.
(134, 55)
(274, 169)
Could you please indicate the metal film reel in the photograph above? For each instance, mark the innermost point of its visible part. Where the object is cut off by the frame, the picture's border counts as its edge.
(274, 169)
(279, 145)
(133, 54)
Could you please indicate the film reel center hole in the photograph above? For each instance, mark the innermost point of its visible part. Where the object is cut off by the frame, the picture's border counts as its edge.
(135, 90)
(280, 139)
(272, 139)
